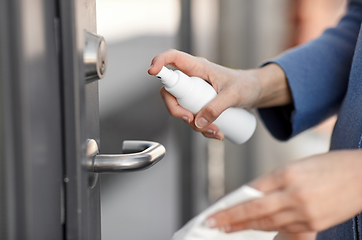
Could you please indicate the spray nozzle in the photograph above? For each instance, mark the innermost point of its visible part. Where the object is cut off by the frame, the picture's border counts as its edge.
(167, 76)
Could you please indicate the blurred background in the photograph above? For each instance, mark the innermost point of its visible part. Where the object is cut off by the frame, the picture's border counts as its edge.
(195, 171)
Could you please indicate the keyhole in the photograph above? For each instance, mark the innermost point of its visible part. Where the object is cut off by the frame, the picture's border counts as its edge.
(102, 67)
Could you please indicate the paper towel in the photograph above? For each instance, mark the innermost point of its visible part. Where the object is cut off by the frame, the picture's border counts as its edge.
(196, 230)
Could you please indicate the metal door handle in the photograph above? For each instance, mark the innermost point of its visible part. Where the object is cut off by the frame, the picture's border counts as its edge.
(138, 155)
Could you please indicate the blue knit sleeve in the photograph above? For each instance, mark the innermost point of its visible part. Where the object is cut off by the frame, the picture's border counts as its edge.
(317, 73)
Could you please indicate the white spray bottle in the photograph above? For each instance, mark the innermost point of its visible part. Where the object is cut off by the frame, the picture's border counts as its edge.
(193, 93)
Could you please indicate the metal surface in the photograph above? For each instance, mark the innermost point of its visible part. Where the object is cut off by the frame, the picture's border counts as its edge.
(80, 120)
(92, 151)
(94, 56)
(150, 153)
(30, 121)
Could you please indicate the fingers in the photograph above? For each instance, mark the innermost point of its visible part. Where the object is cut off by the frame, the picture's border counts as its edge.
(296, 228)
(273, 181)
(296, 236)
(190, 65)
(174, 108)
(269, 223)
(251, 210)
(213, 134)
(211, 111)
(212, 131)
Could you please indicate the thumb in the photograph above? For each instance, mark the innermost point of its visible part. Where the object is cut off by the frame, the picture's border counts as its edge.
(213, 109)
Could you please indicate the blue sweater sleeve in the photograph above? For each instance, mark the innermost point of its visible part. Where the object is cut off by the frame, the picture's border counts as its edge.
(317, 73)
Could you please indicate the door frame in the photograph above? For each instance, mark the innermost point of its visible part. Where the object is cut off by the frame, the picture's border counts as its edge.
(43, 121)
(30, 121)
(81, 122)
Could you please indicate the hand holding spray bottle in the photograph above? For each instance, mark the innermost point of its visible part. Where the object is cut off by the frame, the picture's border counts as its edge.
(193, 93)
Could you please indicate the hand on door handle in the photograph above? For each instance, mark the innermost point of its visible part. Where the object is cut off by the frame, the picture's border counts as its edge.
(148, 154)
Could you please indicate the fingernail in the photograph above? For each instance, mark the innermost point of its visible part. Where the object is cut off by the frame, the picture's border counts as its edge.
(225, 229)
(219, 136)
(201, 122)
(211, 222)
(150, 66)
(211, 131)
(186, 119)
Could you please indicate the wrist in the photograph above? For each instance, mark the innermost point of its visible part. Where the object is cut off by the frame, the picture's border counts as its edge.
(274, 87)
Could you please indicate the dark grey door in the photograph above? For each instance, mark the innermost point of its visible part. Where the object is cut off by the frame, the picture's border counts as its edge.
(48, 116)
(47, 112)
(31, 122)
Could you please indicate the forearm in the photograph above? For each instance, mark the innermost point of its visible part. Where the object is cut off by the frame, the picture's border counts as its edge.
(275, 90)
(322, 65)
(318, 75)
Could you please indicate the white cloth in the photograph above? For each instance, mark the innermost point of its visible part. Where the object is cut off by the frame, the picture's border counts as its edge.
(195, 229)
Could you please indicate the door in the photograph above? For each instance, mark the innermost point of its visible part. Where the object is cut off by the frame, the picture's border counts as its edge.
(31, 142)
(50, 61)
(81, 120)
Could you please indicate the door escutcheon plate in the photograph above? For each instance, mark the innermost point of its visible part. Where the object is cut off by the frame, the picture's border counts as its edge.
(92, 151)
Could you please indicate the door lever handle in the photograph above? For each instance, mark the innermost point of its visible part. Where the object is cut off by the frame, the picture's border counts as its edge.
(137, 155)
